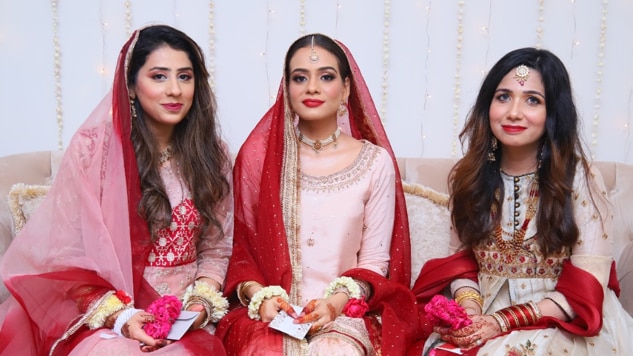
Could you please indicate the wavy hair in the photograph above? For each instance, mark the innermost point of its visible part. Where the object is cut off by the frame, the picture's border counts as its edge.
(196, 141)
(474, 179)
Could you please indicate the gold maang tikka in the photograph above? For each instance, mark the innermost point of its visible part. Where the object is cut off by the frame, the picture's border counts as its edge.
(314, 57)
(521, 74)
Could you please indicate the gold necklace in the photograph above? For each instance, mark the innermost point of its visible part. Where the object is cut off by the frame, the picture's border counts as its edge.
(165, 155)
(317, 145)
(511, 248)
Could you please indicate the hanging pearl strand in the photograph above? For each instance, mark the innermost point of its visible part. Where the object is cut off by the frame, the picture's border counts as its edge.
(539, 29)
(601, 46)
(458, 69)
(211, 45)
(128, 18)
(385, 60)
(58, 77)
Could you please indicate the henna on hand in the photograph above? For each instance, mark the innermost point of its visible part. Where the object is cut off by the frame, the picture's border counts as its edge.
(332, 311)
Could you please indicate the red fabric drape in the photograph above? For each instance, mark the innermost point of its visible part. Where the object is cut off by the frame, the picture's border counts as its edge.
(260, 250)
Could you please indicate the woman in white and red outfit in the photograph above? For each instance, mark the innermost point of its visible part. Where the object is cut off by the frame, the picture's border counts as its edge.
(141, 207)
(531, 230)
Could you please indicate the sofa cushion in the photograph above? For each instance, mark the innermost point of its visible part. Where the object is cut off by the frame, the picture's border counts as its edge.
(429, 225)
(23, 200)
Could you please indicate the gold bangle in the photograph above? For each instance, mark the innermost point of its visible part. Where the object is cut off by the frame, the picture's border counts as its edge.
(474, 296)
(241, 291)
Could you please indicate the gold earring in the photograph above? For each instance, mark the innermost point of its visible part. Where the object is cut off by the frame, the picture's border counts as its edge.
(133, 108)
(493, 148)
(342, 109)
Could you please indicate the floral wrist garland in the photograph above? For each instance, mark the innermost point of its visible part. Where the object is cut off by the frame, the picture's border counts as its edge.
(213, 302)
(110, 303)
(260, 296)
(444, 312)
(165, 310)
(356, 306)
(346, 283)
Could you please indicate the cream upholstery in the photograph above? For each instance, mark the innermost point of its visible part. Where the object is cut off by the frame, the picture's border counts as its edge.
(40, 167)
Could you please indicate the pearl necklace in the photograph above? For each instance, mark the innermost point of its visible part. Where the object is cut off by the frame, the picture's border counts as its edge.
(165, 155)
(317, 145)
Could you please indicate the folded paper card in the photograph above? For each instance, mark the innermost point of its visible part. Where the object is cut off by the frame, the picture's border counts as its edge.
(285, 323)
(182, 324)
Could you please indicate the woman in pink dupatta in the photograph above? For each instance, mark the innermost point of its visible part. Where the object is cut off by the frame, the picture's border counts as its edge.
(321, 222)
(126, 219)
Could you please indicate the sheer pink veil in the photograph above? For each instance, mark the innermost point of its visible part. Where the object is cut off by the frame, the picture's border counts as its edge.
(80, 235)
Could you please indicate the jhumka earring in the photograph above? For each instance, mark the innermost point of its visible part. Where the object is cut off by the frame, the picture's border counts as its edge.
(133, 108)
(493, 148)
(522, 74)
(314, 57)
(342, 109)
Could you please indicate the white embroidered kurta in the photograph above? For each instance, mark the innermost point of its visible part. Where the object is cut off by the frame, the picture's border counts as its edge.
(533, 277)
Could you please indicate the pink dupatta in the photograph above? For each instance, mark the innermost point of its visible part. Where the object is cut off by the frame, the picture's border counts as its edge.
(87, 232)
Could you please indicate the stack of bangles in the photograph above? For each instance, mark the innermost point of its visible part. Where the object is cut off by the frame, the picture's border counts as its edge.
(517, 316)
(215, 305)
(470, 295)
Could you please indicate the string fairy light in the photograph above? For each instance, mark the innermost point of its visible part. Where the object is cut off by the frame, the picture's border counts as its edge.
(601, 47)
(57, 55)
(458, 69)
(211, 59)
(128, 18)
(385, 60)
(539, 29)
(302, 17)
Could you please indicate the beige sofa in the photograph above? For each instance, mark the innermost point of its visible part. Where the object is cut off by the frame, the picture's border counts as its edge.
(425, 187)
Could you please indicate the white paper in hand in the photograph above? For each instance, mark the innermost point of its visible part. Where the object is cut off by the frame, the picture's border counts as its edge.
(285, 323)
(182, 324)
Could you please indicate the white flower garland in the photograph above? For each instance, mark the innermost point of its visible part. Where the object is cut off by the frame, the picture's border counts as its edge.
(260, 296)
(219, 305)
(343, 282)
(106, 306)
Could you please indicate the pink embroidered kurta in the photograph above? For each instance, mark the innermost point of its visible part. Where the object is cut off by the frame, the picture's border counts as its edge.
(346, 220)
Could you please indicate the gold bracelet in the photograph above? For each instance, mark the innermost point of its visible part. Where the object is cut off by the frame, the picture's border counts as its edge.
(241, 292)
(471, 295)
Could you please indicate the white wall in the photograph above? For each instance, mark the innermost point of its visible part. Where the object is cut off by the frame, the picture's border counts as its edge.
(426, 96)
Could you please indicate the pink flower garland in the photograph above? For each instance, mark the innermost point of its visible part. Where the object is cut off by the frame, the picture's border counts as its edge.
(165, 310)
(356, 308)
(444, 312)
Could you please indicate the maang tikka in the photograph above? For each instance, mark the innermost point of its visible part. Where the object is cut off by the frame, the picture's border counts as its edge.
(314, 57)
(521, 74)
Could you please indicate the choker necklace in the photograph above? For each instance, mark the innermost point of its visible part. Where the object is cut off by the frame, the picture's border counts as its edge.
(317, 145)
(165, 155)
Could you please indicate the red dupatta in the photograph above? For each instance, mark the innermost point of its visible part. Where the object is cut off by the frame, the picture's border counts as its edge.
(265, 164)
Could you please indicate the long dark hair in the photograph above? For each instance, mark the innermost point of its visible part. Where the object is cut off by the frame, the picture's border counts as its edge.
(196, 141)
(474, 180)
